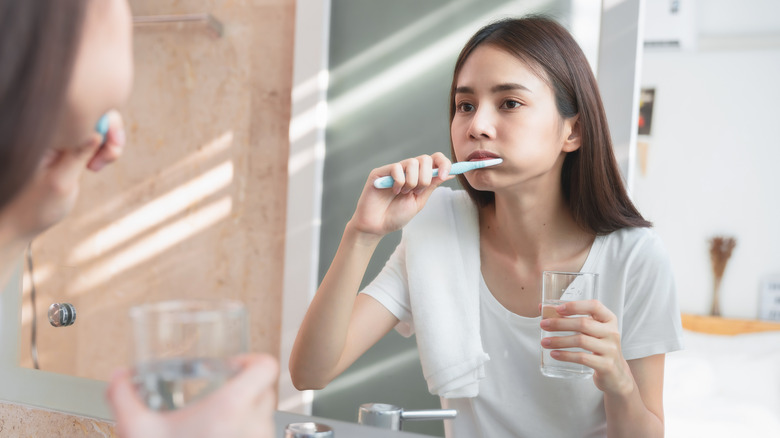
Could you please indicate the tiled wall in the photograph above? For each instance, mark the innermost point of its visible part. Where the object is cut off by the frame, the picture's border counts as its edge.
(23, 422)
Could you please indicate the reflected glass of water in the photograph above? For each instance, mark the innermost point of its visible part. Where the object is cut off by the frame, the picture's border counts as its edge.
(184, 349)
(558, 288)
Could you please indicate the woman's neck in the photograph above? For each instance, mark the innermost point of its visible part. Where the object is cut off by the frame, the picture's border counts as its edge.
(536, 228)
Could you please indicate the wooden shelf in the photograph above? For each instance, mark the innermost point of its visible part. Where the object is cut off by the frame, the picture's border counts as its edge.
(726, 326)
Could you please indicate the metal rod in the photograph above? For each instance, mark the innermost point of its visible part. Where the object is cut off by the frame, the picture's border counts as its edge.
(214, 25)
(432, 414)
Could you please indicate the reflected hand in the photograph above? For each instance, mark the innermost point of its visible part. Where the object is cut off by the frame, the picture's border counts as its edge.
(381, 211)
(597, 333)
(241, 408)
(113, 145)
(52, 191)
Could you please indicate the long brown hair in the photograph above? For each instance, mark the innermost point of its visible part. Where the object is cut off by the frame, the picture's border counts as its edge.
(590, 178)
(38, 44)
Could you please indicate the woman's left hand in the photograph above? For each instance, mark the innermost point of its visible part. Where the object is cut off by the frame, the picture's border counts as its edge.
(598, 333)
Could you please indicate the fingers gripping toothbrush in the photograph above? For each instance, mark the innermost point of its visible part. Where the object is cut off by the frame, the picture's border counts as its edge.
(386, 182)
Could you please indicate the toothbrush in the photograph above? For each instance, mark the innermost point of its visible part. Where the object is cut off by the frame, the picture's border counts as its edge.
(102, 126)
(386, 182)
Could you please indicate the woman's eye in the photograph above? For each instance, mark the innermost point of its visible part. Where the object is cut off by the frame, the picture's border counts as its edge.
(465, 107)
(512, 104)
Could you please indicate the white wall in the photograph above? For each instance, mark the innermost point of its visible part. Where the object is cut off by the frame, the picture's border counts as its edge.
(713, 162)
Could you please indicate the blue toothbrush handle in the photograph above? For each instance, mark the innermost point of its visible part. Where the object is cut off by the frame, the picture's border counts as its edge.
(385, 182)
(102, 126)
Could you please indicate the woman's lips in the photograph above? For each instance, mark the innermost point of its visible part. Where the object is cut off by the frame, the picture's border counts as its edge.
(481, 155)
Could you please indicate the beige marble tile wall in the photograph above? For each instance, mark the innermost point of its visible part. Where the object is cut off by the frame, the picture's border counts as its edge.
(24, 422)
(196, 206)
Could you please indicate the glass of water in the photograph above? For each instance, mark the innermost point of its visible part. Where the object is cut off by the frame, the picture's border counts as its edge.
(558, 288)
(184, 349)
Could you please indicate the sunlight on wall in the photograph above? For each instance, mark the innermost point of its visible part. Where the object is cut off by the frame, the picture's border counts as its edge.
(208, 152)
(416, 64)
(155, 243)
(133, 237)
(155, 212)
(307, 122)
(375, 371)
(406, 35)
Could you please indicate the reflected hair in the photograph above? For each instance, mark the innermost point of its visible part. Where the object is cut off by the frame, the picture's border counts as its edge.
(38, 44)
(590, 178)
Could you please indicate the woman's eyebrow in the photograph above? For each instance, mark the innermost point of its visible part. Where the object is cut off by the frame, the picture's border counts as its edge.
(496, 88)
(509, 87)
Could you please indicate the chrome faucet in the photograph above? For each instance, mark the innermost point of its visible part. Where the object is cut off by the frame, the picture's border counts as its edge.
(392, 417)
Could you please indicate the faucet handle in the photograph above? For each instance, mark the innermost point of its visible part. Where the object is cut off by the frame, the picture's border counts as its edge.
(391, 417)
(429, 414)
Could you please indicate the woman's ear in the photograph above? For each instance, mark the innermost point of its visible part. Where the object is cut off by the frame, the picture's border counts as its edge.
(574, 136)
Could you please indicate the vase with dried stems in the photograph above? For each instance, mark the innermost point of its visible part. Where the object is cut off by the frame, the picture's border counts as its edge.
(720, 252)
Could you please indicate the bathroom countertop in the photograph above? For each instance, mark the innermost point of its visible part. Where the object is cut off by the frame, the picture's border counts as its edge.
(341, 429)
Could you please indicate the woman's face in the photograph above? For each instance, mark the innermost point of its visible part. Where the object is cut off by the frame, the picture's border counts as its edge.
(505, 110)
(103, 70)
(100, 81)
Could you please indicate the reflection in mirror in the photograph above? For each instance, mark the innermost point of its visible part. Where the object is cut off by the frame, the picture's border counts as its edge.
(387, 100)
(668, 185)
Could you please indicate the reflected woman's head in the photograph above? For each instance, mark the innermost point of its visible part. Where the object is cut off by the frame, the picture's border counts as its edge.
(64, 64)
(590, 178)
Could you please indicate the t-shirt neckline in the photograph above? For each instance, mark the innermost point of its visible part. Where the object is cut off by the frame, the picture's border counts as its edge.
(590, 261)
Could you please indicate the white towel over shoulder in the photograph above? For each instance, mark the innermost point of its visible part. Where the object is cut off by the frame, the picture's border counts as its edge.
(442, 262)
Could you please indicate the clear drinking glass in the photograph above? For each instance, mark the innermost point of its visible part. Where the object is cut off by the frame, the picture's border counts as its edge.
(558, 288)
(183, 348)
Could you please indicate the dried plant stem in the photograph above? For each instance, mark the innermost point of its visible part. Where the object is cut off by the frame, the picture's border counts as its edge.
(720, 252)
(715, 310)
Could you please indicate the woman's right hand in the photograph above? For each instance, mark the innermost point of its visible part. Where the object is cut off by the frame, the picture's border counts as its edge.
(338, 327)
(381, 211)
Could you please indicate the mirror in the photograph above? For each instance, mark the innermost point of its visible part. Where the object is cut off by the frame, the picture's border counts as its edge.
(387, 100)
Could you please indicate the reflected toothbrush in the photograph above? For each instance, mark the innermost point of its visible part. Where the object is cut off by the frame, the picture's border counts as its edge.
(386, 182)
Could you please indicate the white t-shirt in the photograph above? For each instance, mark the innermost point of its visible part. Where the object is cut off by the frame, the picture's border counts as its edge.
(515, 399)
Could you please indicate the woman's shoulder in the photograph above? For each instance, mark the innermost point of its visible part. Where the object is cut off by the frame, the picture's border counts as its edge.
(641, 242)
(633, 235)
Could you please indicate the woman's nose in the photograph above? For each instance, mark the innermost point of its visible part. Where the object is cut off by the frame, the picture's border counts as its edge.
(482, 124)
